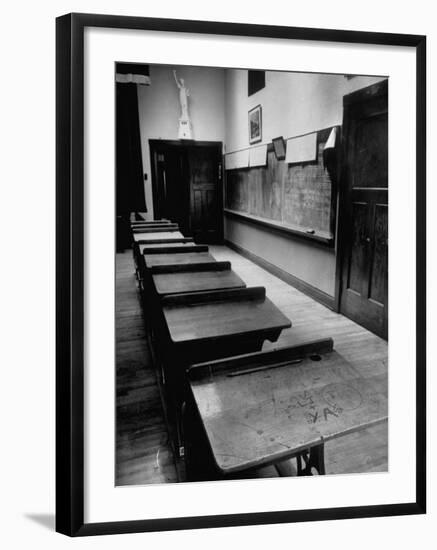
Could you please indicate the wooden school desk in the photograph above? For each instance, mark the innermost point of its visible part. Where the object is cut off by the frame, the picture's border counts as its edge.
(157, 236)
(218, 324)
(164, 246)
(151, 223)
(177, 259)
(186, 245)
(175, 253)
(165, 238)
(208, 325)
(172, 262)
(192, 276)
(168, 264)
(170, 254)
(133, 223)
(165, 280)
(264, 408)
(143, 228)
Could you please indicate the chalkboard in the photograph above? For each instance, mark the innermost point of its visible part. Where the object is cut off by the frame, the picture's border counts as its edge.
(296, 196)
(237, 190)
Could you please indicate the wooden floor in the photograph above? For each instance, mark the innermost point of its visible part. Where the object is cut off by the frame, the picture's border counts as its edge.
(143, 453)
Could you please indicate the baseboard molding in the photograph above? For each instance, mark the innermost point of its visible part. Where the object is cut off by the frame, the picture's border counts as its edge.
(309, 290)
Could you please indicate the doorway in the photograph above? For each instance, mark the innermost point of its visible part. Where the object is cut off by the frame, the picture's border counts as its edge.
(187, 187)
(362, 272)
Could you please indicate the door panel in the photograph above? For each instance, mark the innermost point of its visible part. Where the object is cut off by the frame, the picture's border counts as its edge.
(206, 206)
(363, 222)
(358, 260)
(187, 187)
(378, 278)
(176, 199)
(371, 169)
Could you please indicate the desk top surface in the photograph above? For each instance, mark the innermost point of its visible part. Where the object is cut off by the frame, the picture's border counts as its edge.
(158, 235)
(155, 228)
(196, 281)
(255, 418)
(135, 223)
(178, 259)
(217, 315)
(143, 247)
(143, 220)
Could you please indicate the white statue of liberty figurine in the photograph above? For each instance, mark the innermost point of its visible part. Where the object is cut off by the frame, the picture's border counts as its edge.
(184, 119)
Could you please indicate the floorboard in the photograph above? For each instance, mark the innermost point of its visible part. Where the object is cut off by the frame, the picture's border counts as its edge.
(143, 453)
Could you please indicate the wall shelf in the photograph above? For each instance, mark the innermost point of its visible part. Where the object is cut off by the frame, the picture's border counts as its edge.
(318, 236)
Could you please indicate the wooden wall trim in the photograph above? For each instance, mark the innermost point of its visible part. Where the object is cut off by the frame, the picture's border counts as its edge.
(310, 290)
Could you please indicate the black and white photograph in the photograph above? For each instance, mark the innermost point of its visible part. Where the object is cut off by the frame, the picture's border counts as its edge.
(223, 341)
(251, 298)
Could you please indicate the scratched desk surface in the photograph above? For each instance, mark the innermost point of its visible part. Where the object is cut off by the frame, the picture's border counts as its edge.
(217, 315)
(263, 416)
(158, 235)
(196, 281)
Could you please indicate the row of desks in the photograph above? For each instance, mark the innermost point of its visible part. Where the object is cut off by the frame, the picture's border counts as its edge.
(234, 412)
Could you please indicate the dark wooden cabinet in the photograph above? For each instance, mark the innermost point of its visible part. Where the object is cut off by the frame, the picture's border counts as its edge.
(363, 222)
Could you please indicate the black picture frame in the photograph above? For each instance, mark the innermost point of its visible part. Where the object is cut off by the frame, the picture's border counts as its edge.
(255, 124)
(280, 148)
(70, 273)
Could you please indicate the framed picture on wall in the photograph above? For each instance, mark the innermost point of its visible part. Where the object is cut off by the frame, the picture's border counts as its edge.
(279, 147)
(255, 124)
(213, 394)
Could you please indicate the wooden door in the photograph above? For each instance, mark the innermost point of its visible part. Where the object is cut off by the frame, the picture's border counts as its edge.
(363, 222)
(187, 187)
(171, 197)
(206, 211)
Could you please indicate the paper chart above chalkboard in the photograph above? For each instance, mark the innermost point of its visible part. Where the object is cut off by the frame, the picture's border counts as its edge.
(301, 149)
